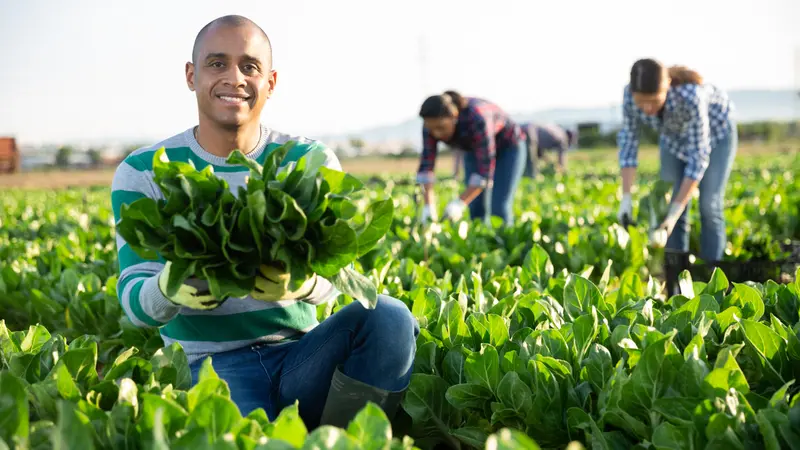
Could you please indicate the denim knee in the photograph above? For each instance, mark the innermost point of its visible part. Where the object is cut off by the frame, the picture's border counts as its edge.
(710, 208)
(393, 317)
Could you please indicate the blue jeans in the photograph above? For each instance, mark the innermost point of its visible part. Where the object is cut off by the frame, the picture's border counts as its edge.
(376, 347)
(713, 238)
(499, 199)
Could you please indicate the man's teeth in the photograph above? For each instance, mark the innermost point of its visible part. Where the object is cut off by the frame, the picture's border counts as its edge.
(232, 99)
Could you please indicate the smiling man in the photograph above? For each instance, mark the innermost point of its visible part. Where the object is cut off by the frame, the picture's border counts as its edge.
(268, 346)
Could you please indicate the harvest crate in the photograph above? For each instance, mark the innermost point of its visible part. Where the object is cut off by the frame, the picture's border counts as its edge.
(759, 271)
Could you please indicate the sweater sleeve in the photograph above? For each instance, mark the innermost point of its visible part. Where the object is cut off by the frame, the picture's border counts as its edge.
(137, 285)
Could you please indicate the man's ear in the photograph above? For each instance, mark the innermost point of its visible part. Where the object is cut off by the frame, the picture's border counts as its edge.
(190, 75)
(273, 80)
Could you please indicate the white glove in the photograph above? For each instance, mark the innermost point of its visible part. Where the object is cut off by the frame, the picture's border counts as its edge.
(428, 214)
(455, 209)
(625, 209)
(659, 235)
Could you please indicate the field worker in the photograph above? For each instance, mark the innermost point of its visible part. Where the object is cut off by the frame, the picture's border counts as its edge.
(268, 346)
(698, 141)
(542, 137)
(493, 147)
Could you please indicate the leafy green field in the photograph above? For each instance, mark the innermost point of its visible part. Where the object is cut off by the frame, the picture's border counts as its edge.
(556, 330)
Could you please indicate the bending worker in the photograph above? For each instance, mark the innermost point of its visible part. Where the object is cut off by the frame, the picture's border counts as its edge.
(698, 142)
(547, 137)
(493, 147)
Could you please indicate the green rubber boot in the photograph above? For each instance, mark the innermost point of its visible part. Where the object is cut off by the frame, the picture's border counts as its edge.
(347, 397)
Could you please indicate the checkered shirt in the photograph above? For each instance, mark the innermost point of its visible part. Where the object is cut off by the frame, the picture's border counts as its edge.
(695, 118)
(483, 128)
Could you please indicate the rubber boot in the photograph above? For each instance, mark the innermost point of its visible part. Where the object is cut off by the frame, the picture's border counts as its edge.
(347, 397)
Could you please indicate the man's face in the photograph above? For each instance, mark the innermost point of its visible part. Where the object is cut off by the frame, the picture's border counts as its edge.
(232, 76)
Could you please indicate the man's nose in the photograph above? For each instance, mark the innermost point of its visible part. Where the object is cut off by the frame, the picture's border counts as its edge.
(235, 77)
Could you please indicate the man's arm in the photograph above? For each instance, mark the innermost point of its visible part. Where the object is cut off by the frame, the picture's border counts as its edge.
(137, 286)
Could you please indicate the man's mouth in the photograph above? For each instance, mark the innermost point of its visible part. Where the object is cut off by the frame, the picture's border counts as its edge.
(234, 99)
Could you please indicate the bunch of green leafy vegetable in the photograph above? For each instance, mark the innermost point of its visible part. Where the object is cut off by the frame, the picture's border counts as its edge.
(302, 217)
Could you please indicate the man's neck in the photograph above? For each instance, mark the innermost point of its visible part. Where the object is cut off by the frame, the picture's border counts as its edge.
(222, 142)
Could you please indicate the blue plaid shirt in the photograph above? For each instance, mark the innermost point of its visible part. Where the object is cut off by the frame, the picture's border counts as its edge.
(695, 118)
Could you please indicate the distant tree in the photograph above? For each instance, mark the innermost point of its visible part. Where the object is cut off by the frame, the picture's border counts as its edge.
(358, 144)
(408, 150)
(63, 156)
(95, 157)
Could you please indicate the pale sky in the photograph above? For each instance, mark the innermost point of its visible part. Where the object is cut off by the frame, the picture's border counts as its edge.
(93, 69)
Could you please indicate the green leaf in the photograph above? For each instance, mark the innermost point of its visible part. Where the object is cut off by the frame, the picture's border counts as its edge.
(483, 368)
(357, 286)
(371, 428)
(537, 266)
(463, 396)
(510, 439)
(13, 410)
(289, 426)
(515, 394)
(216, 414)
(378, 219)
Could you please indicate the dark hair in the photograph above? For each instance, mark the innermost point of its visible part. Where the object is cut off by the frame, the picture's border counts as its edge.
(648, 74)
(572, 138)
(232, 21)
(442, 105)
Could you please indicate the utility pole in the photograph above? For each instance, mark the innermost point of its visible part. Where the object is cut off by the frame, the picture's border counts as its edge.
(423, 66)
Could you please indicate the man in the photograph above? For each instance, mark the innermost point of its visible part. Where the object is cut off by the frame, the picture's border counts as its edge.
(268, 346)
(547, 137)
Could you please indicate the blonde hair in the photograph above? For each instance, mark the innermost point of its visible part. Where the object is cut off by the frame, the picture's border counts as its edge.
(684, 75)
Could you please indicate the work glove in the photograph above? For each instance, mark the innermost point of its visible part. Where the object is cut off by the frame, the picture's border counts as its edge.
(659, 235)
(625, 214)
(455, 209)
(274, 284)
(187, 295)
(428, 214)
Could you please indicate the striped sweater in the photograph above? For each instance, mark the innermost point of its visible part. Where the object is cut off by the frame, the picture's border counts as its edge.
(237, 322)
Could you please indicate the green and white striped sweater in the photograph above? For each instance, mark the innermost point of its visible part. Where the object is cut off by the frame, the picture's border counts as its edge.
(237, 322)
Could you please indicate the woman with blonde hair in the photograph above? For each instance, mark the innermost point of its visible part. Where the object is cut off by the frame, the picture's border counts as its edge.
(698, 143)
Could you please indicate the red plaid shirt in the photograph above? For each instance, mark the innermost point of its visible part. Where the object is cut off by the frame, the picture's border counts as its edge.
(482, 128)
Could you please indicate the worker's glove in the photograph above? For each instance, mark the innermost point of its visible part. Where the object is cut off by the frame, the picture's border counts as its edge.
(274, 284)
(428, 215)
(455, 209)
(187, 295)
(659, 235)
(625, 214)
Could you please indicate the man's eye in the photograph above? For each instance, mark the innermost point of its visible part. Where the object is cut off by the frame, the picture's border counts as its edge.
(250, 67)
(216, 64)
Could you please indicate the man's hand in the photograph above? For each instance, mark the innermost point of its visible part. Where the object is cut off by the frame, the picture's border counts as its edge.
(274, 284)
(428, 215)
(188, 296)
(659, 235)
(625, 214)
(455, 209)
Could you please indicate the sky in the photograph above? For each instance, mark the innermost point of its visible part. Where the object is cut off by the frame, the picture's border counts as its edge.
(86, 69)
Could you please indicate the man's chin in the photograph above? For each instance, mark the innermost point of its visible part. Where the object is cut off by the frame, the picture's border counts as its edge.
(233, 123)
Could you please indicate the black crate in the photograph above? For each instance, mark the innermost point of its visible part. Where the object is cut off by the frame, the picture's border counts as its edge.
(759, 271)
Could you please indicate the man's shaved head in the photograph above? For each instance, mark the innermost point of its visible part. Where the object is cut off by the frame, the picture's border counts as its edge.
(227, 21)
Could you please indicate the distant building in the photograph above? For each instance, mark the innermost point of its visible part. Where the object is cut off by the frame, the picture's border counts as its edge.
(9, 155)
